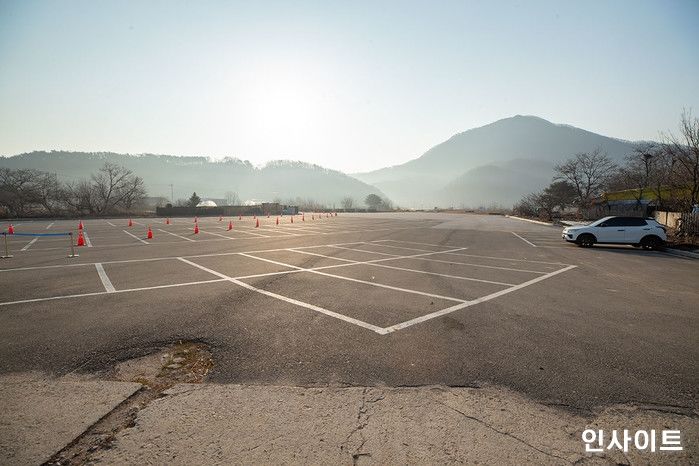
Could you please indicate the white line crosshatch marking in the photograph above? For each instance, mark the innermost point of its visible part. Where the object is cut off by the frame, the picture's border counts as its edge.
(383, 262)
(462, 304)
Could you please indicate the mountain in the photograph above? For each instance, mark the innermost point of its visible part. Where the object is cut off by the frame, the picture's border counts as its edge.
(282, 179)
(496, 163)
(493, 164)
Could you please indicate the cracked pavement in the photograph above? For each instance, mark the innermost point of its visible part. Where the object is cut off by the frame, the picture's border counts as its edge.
(216, 424)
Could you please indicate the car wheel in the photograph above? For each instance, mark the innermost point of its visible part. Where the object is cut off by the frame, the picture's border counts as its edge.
(586, 240)
(650, 243)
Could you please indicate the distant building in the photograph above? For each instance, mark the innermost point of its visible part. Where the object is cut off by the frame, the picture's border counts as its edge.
(207, 203)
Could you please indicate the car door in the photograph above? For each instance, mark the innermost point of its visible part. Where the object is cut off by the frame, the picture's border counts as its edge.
(611, 231)
(637, 228)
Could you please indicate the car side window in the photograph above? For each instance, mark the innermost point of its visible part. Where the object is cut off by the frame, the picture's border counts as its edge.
(612, 222)
(636, 222)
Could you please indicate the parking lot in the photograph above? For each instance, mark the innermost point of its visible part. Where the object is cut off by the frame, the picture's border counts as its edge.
(397, 299)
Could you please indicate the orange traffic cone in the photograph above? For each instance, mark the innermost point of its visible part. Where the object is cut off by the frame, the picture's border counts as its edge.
(303, 217)
(292, 219)
(150, 233)
(277, 220)
(196, 219)
(80, 225)
(313, 216)
(267, 215)
(257, 223)
(230, 225)
(167, 222)
(130, 223)
(11, 230)
(196, 228)
(240, 217)
(220, 217)
(81, 238)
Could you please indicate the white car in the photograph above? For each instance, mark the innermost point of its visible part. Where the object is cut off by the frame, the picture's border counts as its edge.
(636, 231)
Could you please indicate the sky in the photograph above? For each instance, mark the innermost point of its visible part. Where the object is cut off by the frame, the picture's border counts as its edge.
(353, 86)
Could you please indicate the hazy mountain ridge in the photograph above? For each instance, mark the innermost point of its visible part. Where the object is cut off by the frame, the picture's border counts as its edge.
(493, 164)
(453, 173)
(279, 179)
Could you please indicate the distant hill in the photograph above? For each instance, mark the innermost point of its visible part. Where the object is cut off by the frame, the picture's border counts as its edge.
(283, 180)
(493, 164)
(496, 163)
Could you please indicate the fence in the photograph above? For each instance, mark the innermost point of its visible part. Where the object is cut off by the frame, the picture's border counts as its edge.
(669, 219)
(228, 210)
(685, 222)
(689, 223)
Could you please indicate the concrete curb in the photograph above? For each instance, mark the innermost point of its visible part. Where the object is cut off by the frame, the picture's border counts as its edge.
(41, 415)
(680, 253)
(530, 220)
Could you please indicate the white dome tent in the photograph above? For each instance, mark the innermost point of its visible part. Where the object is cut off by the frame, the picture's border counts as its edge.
(206, 203)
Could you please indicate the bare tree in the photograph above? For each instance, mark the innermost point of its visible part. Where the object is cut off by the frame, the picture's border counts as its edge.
(232, 198)
(347, 203)
(386, 204)
(684, 151)
(48, 191)
(80, 197)
(557, 196)
(116, 186)
(131, 194)
(17, 190)
(587, 172)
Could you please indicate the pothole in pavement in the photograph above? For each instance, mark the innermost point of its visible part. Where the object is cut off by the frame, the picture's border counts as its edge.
(182, 362)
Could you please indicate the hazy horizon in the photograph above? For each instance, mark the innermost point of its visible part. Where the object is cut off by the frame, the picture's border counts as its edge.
(348, 87)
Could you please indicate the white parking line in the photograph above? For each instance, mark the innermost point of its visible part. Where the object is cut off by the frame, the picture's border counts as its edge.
(111, 223)
(215, 234)
(483, 299)
(109, 288)
(151, 259)
(98, 293)
(242, 230)
(179, 236)
(136, 237)
(380, 285)
(28, 245)
(415, 242)
(375, 263)
(278, 230)
(167, 243)
(442, 261)
(523, 239)
(88, 243)
(50, 225)
(296, 302)
(479, 256)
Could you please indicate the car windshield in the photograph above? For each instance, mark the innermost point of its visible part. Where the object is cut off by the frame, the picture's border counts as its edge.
(597, 222)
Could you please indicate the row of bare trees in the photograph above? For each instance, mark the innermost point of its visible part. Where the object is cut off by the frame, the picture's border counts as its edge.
(666, 171)
(114, 189)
